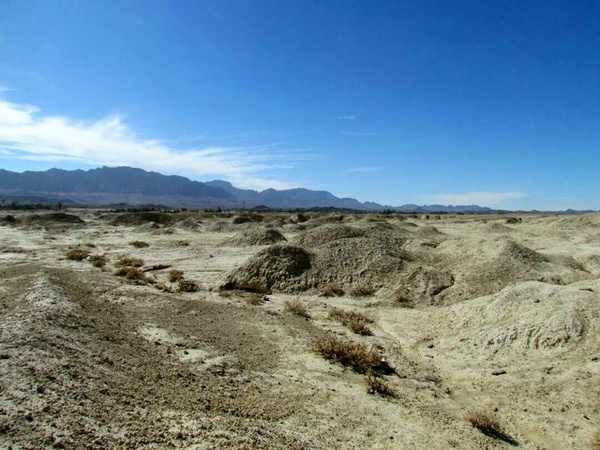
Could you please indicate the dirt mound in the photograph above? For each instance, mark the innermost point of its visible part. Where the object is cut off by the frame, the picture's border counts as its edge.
(255, 236)
(142, 218)
(496, 227)
(324, 234)
(325, 219)
(500, 263)
(247, 218)
(189, 223)
(8, 220)
(428, 231)
(278, 267)
(54, 218)
(531, 319)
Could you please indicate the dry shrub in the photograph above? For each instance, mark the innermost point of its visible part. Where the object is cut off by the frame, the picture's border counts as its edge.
(187, 286)
(359, 327)
(253, 299)
(249, 286)
(132, 274)
(332, 289)
(376, 385)
(78, 254)
(351, 354)
(98, 260)
(347, 316)
(129, 262)
(157, 267)
(355, 321)
(490, 427)
(401, 299)
(296, 308)
(596, 441)
(175, 275)
(139, 244)
(362, 291)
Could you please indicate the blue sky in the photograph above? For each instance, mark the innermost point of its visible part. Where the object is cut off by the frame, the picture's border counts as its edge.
(495, 103)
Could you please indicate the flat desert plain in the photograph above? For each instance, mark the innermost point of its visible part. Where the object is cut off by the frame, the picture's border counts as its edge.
(284, 331)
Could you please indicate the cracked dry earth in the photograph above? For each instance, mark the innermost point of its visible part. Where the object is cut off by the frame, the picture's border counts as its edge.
(89, 360)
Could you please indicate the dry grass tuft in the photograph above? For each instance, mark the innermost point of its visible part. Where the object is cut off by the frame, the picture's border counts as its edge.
(139, 244)
(596, 441)
(187, 286)
(296, 308)
(376, 385)
(98, 260)
(362, 291)
(129, 262)
(78, 254)
(401, 299)
(359, 327)
(132, 274)
(355, 321)
(351, 354)
(490, 427)
(253, 299)
(175, 275)
(332, 289)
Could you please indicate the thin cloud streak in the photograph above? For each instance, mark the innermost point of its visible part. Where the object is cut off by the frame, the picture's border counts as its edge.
(478, 198)
(363, 169)
(27, 134)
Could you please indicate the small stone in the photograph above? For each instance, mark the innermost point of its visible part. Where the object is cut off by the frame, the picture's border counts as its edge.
(499, 372)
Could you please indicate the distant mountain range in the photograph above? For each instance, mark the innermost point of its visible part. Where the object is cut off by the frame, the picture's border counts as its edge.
(109, 186)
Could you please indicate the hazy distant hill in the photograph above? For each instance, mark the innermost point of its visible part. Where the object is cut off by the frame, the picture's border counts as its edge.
(109, 185)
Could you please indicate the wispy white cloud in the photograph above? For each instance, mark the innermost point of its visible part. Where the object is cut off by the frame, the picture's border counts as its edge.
(363, 169)
(25, 133)
(348, 117)
(360, 133)
(478, 198)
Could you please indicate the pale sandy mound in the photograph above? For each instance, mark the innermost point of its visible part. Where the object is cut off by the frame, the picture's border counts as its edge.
(496, 227)
(429, 231)
(499, 263)
(189, 223)
(327, 233)
(528, 320)
(325, 219)
(349, 257)
(255, 236)
(279, 267)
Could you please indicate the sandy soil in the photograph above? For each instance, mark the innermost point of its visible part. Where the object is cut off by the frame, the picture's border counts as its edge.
(477, 318)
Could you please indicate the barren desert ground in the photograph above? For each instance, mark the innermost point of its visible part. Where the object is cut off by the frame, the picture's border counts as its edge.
(283, 331)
